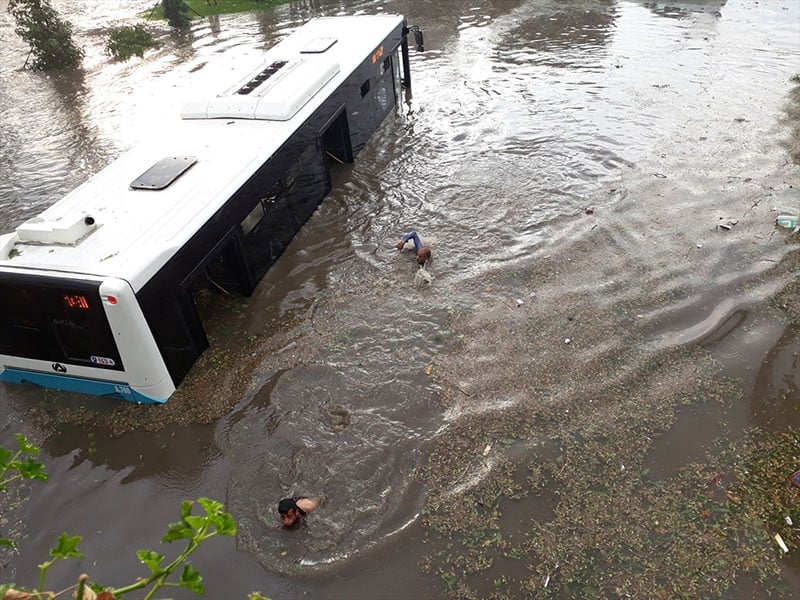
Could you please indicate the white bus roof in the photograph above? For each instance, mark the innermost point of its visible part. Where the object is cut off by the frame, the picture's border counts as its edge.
(106, 228)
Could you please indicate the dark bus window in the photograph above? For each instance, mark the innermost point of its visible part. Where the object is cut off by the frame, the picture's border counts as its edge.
(56, 320)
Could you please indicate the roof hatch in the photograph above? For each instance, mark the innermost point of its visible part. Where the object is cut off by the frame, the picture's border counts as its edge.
(163, 173)
(274, 93)
(318, 45)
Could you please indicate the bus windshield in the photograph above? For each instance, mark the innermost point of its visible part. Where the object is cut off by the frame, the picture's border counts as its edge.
(55, 319)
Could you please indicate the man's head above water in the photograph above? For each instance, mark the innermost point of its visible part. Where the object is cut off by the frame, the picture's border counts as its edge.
(291, 510)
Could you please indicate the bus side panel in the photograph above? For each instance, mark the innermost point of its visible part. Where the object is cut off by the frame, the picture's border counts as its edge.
(166, 302)
(172, 317)
(292, 184)
(259, 221)
(370, 92)
(269, 209)
(285, 193)
(146, 371)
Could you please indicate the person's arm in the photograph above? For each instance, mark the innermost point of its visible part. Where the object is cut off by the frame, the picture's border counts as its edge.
(307, 504)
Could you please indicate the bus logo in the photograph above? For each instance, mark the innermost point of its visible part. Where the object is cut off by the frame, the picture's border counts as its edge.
(122, 389)
(59, 368)
(102, 360)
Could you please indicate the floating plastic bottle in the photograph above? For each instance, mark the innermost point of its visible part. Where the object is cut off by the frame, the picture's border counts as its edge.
(788, 221)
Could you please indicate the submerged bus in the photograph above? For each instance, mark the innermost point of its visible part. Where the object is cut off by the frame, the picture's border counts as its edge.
(96, 293)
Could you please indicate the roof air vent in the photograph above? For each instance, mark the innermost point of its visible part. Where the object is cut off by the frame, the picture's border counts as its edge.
(67, 230)
(261, 77)
(287, 87)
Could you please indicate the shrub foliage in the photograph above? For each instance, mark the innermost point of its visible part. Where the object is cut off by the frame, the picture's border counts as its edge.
(127, 41)
(176, 13)
(49, 36)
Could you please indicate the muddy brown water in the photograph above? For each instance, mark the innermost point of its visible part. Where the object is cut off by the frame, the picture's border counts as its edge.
(666, 118)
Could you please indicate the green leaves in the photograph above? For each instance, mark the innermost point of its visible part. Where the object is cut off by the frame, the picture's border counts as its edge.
(216, 520)
(32, 469)
(25, 447)
(21, 463)
(15, 465)
(127, 41)
(222, 520)
(176, 13)
(195, 529)
(152, 560)
(190, 577)
(178, 531)
(192, 580)
(67, 547)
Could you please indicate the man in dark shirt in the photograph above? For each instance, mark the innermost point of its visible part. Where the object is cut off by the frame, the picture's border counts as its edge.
(290, 510)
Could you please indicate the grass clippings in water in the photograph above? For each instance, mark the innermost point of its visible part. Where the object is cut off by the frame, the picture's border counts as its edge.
(577, 496)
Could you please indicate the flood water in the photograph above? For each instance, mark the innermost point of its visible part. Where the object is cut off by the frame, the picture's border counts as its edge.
(666, 119)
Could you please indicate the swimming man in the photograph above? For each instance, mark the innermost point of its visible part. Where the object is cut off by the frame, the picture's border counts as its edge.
(291, 510)
(423, 252)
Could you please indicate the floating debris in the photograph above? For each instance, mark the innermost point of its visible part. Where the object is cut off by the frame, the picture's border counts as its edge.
(422, 276)
(781, 543)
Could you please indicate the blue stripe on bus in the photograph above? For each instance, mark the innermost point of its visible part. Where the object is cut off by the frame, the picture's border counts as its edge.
(93, 387)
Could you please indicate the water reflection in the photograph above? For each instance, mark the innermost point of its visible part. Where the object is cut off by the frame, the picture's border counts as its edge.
(213, 24)
(776, 391)
(675, 9)
(176, 456)
(561, 37)
(42, 159)
(182, 41)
